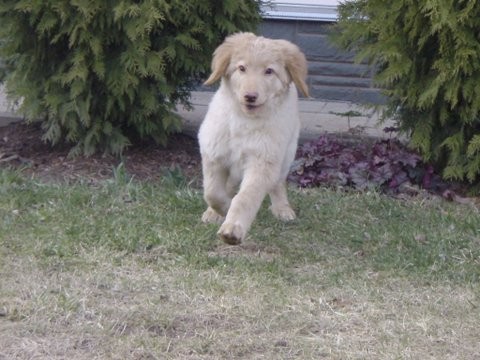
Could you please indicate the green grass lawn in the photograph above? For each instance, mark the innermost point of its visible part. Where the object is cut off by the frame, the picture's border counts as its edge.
(125, 270)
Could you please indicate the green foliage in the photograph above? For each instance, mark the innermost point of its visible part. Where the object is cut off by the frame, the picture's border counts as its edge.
(97, 73)
(427, 58)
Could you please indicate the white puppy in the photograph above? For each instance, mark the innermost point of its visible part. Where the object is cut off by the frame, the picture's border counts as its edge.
(249, 136)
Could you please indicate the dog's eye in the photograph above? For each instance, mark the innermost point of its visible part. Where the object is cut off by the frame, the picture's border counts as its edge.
(242, 68)
(269, 71)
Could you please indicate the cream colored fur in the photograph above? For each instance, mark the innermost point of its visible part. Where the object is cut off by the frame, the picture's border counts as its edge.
(249, 136)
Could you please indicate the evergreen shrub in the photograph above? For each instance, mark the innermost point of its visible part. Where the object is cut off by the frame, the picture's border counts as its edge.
(98, 73)
(427, 58)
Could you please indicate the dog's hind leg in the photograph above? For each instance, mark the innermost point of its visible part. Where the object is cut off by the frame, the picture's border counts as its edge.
(210, 216)
(280, 207)
(215, 193)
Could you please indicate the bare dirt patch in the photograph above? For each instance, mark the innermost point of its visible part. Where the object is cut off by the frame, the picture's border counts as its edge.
(21, 146)
(245, 250)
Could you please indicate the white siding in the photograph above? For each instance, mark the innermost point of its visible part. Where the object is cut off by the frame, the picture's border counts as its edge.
(309, 10)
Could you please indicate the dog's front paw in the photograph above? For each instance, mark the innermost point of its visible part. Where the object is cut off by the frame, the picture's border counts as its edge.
(231, 234)
(210, 216)
(284, 213)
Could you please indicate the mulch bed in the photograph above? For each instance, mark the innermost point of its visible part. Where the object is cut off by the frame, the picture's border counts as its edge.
(21, 146)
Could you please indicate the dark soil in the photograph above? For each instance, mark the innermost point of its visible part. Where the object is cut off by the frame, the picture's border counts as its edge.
(21, 146)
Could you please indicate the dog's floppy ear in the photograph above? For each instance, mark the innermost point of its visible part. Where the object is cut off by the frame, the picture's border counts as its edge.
(223, 54)
(296, 64)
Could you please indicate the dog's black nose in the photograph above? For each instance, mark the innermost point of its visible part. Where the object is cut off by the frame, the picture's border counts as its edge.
(251, 97)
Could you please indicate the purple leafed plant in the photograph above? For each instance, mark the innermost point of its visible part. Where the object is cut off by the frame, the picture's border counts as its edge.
(386, 165)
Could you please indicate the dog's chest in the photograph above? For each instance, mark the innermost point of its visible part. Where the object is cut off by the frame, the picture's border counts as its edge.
(247, 140)
(231, 138)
